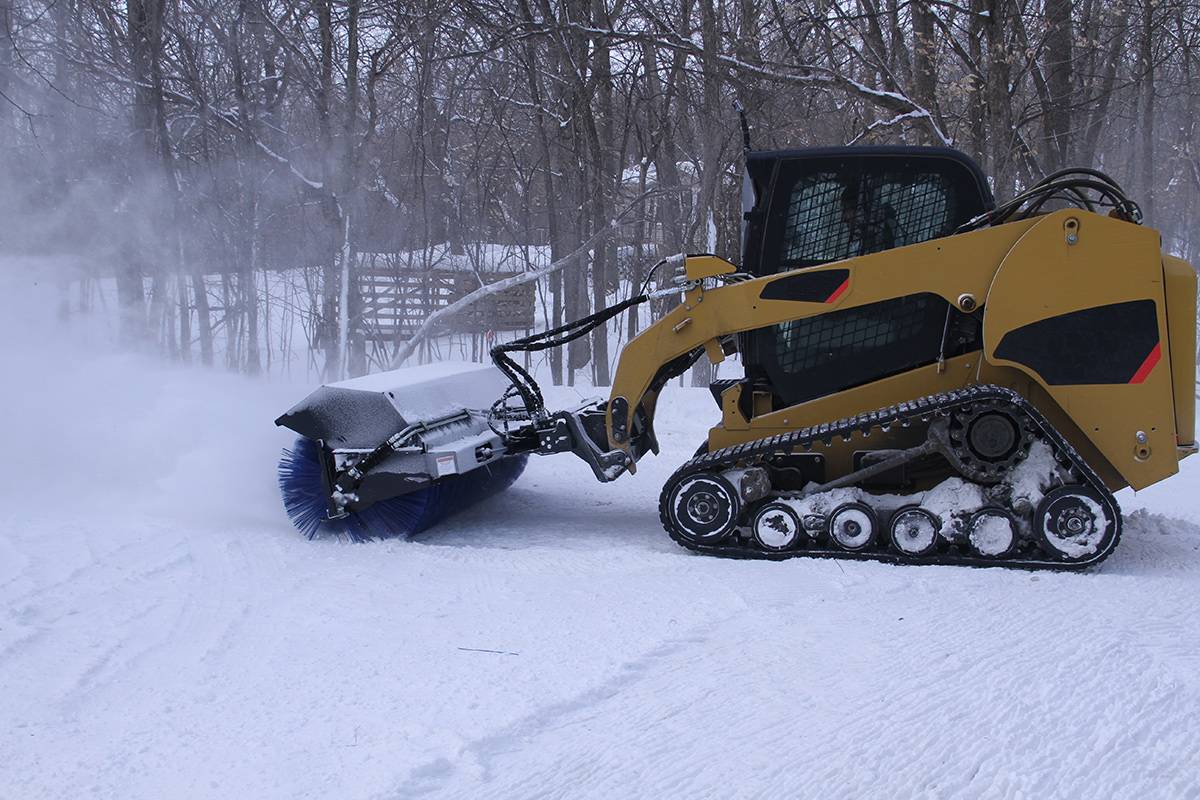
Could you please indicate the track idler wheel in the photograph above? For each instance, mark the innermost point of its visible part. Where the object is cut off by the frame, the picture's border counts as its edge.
(1072, 523)
(853, 526)
(992, 533)
(777, 527)
(914, 531)
(704, 507)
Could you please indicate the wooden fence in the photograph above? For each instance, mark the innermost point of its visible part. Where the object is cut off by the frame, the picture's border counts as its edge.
(396, 302)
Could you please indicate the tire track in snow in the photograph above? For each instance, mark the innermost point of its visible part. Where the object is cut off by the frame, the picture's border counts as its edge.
(674, 733)
(85, 588)
(479, 754)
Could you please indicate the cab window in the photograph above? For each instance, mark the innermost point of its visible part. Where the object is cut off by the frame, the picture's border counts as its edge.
(831, 215)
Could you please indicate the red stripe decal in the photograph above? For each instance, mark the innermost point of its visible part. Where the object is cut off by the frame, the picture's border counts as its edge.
(838, 291)
(1147, 365)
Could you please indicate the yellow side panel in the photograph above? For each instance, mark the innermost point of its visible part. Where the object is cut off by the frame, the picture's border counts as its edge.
(1046, 275)
(951, 267)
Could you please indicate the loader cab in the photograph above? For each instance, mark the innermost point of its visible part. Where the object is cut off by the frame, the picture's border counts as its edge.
(805, 208)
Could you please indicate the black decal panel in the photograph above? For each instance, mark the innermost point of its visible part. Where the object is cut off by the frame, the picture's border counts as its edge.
(808, 287)
(1105, 344)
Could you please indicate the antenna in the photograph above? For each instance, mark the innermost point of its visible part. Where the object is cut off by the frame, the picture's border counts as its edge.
(737, 106)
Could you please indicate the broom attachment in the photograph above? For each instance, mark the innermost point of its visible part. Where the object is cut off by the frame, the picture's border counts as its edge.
(302, 484)
(394, 453)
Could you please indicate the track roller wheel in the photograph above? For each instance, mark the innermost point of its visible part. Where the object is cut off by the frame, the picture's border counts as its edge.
(1072, 523)
(777, 527)
(704, 507)
(853, 526)
(914, 531)
(992, 532)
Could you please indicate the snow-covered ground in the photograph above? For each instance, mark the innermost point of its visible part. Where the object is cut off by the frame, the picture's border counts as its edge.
(165, 633)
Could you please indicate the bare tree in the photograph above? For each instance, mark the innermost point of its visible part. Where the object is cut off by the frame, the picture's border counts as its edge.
(224, 169)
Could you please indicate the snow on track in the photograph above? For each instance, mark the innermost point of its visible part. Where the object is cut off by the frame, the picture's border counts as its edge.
(165, 633)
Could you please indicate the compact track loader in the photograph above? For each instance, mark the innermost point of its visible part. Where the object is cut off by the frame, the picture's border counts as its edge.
(928, 378)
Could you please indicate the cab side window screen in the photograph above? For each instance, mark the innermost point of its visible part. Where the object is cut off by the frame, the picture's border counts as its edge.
(815, 356)
(834, 215)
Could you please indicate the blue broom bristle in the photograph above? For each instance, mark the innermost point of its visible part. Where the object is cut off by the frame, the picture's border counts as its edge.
(304, 497)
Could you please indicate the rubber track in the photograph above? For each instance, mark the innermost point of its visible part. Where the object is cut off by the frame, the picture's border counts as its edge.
(923, 411)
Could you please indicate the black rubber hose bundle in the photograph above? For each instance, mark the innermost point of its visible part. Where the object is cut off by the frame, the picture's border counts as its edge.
(1058, 185)
(524, 384)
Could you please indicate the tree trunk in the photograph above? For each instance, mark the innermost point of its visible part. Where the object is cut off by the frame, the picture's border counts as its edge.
(329, 333)
(605, 175)
(712, 138)
(1060, 81)
(1146, 68)
(666, 168)
(145, 19)
(185, 320)
(551, 200)
(573, 142)
(999, 108)
(203, 318)
(7, 79)
(924, 69)
(1100, 106)
(977, 88)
